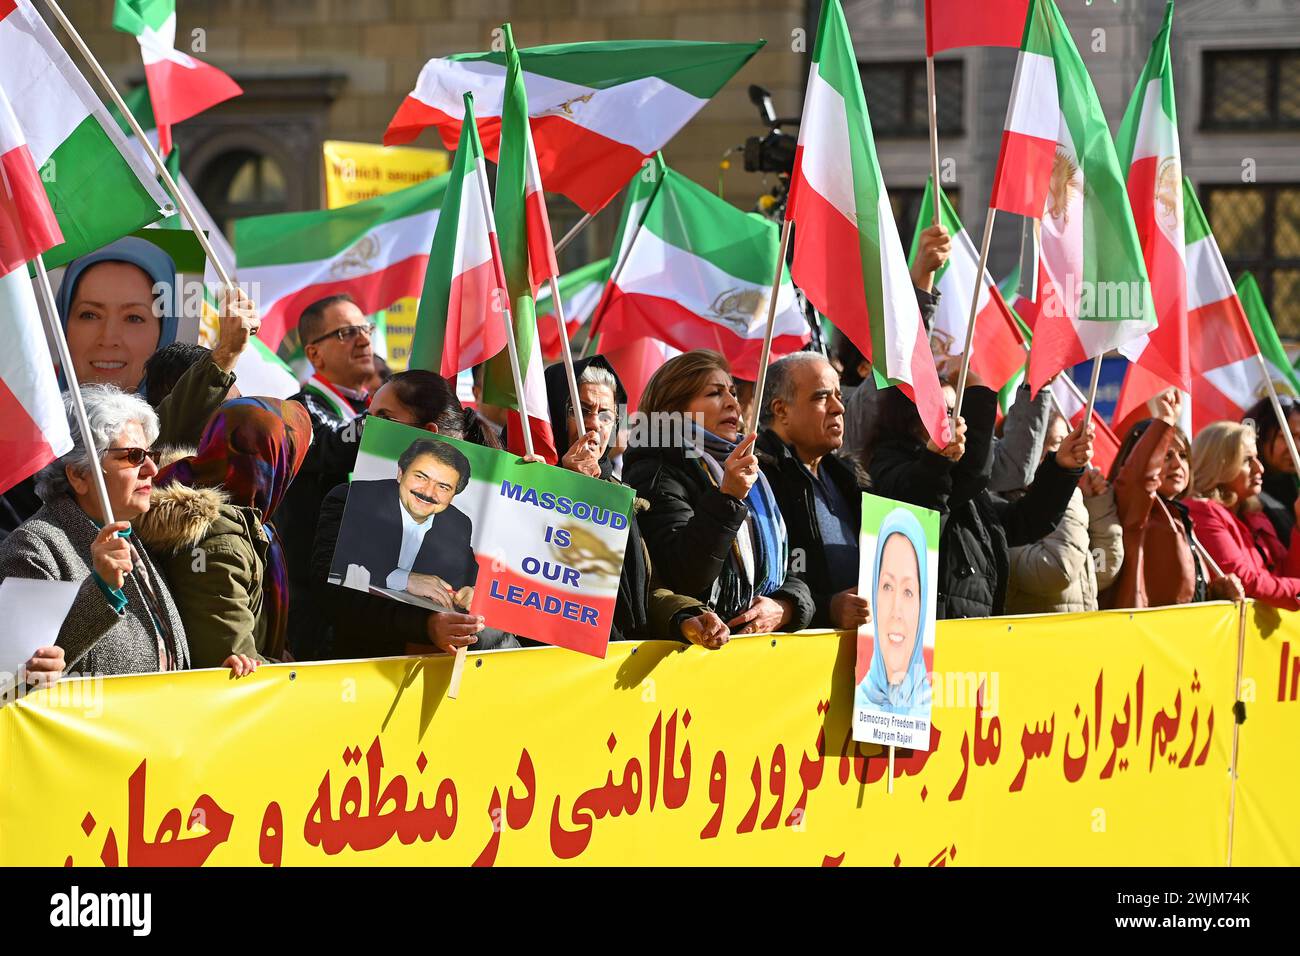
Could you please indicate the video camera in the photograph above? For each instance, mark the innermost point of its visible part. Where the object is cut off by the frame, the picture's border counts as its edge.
(773, 153)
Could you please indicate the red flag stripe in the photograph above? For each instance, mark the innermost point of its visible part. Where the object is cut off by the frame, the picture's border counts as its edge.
(588, 168)
(475, 330)
(28, 226)
(1024, 174)
(953, 24)
(629, 317)
(24, 449)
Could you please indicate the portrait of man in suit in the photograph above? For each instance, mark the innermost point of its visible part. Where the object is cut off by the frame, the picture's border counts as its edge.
(406, 531)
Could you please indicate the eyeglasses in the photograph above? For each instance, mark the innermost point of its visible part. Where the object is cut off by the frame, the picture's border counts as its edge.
(346, 333)
(603, 417)
(136, 456)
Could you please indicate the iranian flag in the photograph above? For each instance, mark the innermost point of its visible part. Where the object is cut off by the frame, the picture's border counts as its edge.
(33, 427)
(953, 24)
(698, 275)
(998, 350)
(1228, 376)
(98, 189)
(580, 292)
(529, 259)
(1058, 165)
(1148, 143)
(179, 85)
(376, 251)
(1279, 366)
(848, 258)
(599, 110)
(461, 322)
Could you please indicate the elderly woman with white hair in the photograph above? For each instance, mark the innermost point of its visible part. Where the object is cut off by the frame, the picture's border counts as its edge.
(123, 620)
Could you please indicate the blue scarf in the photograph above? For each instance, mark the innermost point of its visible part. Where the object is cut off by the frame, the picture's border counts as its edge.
(734, 591)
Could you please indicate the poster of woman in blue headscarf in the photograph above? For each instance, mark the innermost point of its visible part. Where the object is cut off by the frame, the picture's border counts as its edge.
(899, 570)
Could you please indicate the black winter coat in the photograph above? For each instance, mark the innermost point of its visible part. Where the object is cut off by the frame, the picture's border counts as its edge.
(792, 486)
(975, 528)
(690, 528)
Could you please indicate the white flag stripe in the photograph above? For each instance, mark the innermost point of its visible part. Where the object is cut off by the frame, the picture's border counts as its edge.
(659, 268)
(826, 126)
(1207, 277)
(619, 113)
(1034, 109)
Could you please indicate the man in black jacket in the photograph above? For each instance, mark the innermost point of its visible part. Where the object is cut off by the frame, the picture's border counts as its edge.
(975, 528)
(802, 426)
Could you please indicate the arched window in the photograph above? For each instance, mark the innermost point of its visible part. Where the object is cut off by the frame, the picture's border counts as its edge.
(242, 183)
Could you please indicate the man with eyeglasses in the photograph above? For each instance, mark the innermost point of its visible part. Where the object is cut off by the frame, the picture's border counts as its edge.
(336, 338)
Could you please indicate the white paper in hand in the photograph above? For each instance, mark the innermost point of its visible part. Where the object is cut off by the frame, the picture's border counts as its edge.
(32, 611)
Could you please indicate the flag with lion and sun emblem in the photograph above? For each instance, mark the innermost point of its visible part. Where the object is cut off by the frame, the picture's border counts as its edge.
(697, 275)
(1058, 165)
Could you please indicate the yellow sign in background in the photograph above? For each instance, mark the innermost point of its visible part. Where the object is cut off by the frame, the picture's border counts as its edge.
(357, 171)
(1099, 739)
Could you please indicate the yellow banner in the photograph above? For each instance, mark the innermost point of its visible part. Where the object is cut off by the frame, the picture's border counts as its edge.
(1098, 739)
(1267, 831)
(357, 171)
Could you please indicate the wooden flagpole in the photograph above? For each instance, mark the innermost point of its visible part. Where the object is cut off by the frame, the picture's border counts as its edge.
(1092, 391)
(767, 335)
(159, 165)
(55, 329)
(568, 358)
(572, 233)
(974, 308)
(933, 104)
(484, 192)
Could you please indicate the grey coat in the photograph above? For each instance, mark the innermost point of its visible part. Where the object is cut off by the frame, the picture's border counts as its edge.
(54, 545)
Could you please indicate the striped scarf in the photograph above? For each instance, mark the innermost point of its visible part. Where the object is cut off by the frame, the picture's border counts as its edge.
(328, 393)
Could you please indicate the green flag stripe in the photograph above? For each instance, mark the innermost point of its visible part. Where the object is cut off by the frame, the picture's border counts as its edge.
(429, 341)
(697, 68)
(133, 16)
(1261, 323)
(690, 217)
(286, 238)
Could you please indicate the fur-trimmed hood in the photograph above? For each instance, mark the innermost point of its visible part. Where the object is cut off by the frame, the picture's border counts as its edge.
(180, 517)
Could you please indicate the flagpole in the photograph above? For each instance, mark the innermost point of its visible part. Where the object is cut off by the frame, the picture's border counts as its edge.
(1277, 410)
(524, 417)
(55, 329)
(771, 323)
(1092, 390)
(568, 358)
(572, 233)
(159, 165)
(613, 281)
(933, 104)
(974, 306)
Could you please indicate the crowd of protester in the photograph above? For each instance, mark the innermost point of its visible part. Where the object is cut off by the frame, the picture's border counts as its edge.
(226, 510)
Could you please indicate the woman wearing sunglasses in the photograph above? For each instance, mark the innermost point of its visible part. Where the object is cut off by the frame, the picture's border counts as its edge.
(123, 620)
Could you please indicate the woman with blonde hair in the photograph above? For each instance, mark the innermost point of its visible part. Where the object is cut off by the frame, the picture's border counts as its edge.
(713, 527)
(1230, 522)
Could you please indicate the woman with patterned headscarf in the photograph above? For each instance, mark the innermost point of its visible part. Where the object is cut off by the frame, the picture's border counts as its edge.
(210, 528)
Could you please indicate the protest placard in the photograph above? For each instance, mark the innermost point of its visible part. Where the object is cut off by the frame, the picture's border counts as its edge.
(899, 571)
(447, 524)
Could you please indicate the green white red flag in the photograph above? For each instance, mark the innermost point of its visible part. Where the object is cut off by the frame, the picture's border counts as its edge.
(375, 250)
(1227, 377)
(1058, 165)
(598, 109)
(180, 86)
(33, 427)
(697, 274)
(1148, 145)
(998, 349)
(580, 292)
(528, 258)
(96, 186)
(848, 259)
(461, 320)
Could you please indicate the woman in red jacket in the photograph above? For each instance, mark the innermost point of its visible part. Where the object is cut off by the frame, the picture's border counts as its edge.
(1151, 475)
(1227, 478)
